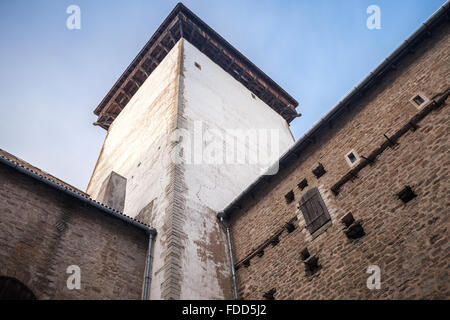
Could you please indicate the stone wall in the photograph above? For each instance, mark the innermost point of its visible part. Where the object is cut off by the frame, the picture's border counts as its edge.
(43, 231)
(180, 196)
(409, 242)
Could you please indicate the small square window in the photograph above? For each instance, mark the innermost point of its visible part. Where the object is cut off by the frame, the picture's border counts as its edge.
(419, 100)
(352, 158)
(198, 65)
(348, 220)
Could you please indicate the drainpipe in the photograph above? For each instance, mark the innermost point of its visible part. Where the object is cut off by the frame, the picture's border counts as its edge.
(220, 215)
(148, 265)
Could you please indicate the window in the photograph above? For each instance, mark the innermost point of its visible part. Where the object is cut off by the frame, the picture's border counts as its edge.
(314, 210)
(352, 158)
(419, 100)
(198, 65)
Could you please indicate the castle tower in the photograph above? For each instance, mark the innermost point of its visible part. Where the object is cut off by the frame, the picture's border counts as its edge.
(178, 120)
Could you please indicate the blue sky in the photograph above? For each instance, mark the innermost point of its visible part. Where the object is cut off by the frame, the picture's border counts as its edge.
(52, 78)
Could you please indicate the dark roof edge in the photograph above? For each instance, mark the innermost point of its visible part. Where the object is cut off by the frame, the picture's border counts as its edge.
(137, 59)
(377, 72)
(182, 8)
(235, 51)
(75, 194)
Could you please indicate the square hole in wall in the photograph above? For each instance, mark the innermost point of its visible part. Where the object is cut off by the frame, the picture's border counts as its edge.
(352, 158)
(198, 65)
(419, 100)
(319, 171)
(305, 254)
(270, 295)
(353, 229)
(303, 184)
(289, 196)
(406, 194)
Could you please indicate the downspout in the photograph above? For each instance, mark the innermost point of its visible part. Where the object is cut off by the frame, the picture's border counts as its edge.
(148, 265)
(220, 215)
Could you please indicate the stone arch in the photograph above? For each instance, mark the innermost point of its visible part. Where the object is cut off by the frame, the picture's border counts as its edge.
(13, 289)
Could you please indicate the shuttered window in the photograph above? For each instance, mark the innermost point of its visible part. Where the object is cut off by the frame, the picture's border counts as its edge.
(314, 210)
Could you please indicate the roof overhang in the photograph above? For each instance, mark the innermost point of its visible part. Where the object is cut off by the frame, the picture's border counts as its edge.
(183, 23)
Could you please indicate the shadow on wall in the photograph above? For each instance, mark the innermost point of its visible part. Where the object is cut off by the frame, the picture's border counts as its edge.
(13, 289)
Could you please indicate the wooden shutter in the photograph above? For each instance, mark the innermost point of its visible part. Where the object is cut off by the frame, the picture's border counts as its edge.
(314, 210)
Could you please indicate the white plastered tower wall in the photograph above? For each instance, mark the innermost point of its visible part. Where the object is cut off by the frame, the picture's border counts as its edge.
(180, 200)
(135, 147)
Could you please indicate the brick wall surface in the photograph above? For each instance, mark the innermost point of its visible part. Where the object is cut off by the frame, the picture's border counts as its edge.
(409, 242)
(43, 231)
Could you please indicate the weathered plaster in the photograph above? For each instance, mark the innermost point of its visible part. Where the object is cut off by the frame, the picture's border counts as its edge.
(180, 200)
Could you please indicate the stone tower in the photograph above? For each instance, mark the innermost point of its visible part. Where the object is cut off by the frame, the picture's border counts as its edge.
(166, 157)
